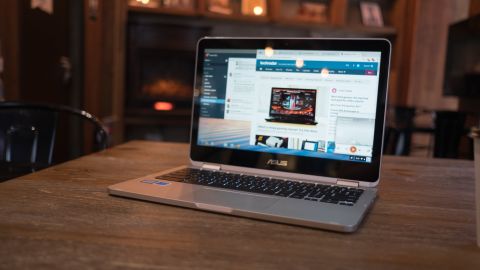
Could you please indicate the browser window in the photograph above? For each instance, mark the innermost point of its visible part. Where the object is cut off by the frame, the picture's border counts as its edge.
(295, 102)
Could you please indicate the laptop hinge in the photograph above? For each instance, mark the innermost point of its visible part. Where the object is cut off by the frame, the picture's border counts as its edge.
(211, 167)
(348, 183)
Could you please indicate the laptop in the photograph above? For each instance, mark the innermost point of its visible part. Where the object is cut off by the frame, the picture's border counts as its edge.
(323, 175)
(289, 105)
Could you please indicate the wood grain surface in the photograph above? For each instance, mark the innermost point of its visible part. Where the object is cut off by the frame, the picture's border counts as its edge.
(62, 217)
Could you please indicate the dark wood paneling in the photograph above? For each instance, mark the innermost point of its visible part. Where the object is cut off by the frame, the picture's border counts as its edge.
(474, 7)
(427, 55)
(404, 21)
(93, 55)
(93, 60)
(9, 35)
(44, 41)
(105, 27)
(114, 29)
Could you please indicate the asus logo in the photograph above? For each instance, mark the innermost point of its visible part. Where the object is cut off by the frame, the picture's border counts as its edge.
(277, 162)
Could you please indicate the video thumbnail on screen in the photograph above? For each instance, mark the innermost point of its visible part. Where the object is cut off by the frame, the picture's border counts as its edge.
(287, 101)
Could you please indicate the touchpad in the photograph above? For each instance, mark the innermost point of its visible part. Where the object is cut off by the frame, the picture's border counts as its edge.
(233, 199)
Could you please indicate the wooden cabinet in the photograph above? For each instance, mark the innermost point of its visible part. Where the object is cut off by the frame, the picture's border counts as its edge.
(278, 18)
(337, 15)
(416, 28)
(158, 6)
(282, 18)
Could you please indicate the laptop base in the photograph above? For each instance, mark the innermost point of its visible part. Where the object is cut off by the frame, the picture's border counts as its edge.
(335, 217)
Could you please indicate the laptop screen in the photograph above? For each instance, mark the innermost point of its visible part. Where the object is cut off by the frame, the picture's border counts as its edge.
(312, 103)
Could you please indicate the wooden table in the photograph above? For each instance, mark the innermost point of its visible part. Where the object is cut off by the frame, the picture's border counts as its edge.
(62, 217)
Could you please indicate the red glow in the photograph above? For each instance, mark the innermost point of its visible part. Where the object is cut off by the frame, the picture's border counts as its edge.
(163, 106)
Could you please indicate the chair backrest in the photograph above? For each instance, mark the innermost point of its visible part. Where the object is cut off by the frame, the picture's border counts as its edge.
(28, 131)
(398, 131)
(449, 129)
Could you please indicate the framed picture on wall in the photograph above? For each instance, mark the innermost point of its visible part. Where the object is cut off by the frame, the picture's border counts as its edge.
(148, 4)
(220, 6)
(312, 11)
(371, 14)
(187, 4)
(254, 7)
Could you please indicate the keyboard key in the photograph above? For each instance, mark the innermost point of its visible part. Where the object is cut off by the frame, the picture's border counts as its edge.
(346, 203)
(297, 196)
(327, 200)
(264, 185)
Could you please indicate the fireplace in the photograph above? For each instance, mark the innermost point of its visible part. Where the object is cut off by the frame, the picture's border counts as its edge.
(159, 79)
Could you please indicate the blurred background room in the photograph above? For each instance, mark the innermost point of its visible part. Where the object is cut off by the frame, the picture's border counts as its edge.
(130, 63)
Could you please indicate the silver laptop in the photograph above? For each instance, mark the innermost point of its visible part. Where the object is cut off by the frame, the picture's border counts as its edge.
(321, 175)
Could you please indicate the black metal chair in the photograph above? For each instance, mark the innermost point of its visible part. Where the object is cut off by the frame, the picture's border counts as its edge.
(398, 131)
(28, 135)
(449, 130)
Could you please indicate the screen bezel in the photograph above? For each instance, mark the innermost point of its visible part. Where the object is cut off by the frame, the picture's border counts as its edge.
(367, 172)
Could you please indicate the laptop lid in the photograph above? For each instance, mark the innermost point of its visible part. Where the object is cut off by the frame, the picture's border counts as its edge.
(233, 96)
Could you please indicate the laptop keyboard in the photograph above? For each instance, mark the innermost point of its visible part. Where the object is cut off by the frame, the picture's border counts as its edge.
(265, 185)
